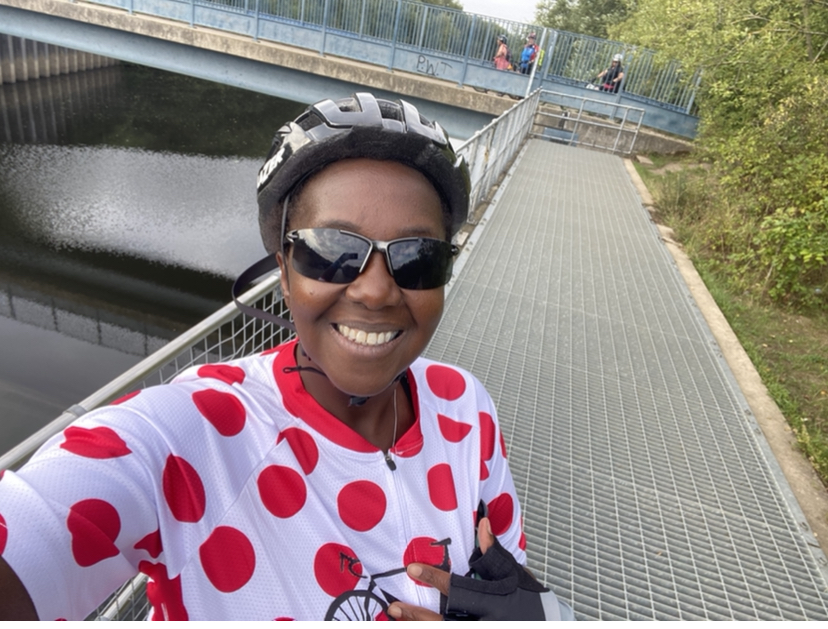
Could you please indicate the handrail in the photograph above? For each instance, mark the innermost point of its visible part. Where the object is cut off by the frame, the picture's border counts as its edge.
(491, 149)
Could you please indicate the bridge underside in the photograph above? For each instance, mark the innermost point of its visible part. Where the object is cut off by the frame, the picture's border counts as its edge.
(281, 79)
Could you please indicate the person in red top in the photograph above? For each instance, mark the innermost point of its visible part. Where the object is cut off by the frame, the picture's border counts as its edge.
(336, 476)
(502, 58)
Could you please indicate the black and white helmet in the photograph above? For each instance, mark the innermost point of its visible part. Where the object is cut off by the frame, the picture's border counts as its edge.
(361, 126)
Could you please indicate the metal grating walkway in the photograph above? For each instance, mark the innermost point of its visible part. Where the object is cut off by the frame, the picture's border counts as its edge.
(647, 487)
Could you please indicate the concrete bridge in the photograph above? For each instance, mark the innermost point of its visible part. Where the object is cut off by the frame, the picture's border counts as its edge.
(437, 58)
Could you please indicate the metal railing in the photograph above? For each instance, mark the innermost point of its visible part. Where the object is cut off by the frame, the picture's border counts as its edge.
(588, 122)
(490, 151)
(451, 40)
(579, 59)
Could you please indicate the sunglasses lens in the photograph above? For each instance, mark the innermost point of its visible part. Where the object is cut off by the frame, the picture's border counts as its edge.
(328, 255)
(421, 263)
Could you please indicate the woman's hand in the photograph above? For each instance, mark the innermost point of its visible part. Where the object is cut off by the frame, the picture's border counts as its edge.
(439, 579)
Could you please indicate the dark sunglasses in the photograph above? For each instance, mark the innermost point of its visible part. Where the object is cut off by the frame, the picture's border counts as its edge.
(338, 257)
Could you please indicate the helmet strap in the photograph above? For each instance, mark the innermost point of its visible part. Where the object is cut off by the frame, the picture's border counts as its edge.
(264, 266)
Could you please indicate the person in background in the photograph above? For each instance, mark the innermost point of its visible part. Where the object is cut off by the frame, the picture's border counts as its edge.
(528, 55)
(610, 79)
(502, 58)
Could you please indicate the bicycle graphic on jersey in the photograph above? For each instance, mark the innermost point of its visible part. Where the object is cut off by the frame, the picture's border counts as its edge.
(364, 604)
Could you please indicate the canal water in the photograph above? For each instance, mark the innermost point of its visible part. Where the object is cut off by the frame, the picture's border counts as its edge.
(127, 205)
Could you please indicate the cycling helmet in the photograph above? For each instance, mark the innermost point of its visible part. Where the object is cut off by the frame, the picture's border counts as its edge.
(361, 126)
(502, 38)
(618, 57)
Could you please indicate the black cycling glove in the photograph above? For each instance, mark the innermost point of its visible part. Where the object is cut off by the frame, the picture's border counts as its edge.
(504, 590)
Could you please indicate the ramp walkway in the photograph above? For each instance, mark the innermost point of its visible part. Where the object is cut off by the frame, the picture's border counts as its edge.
(648, 489)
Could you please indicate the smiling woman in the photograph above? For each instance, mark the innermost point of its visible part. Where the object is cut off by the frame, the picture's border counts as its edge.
(334, 321)
(288, 484)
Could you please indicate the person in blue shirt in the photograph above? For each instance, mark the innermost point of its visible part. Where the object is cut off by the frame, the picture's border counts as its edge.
(528, 55)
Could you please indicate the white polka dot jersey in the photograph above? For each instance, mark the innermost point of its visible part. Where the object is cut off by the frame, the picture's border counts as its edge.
(241, 498)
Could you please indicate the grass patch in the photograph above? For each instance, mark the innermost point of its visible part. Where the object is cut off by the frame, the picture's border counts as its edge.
(788, 347)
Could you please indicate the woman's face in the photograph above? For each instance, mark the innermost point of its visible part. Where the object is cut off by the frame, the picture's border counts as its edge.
(382, 201)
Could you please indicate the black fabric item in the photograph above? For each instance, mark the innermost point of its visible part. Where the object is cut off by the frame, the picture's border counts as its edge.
(265, 265)
(503, 591)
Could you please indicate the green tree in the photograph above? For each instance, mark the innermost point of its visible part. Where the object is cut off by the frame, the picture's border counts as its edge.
(588, 17)
(762, 108)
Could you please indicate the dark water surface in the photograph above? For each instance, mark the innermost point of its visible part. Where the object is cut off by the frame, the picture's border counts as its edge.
(127, 204)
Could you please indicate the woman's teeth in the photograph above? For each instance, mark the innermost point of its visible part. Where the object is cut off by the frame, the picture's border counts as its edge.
(362, 337)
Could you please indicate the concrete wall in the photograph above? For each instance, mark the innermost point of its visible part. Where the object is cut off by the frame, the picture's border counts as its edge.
(25, 59)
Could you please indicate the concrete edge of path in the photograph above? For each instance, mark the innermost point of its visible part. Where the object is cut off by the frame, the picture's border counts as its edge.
(800, 474)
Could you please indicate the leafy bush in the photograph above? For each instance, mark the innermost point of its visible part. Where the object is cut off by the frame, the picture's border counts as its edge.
(763, 126)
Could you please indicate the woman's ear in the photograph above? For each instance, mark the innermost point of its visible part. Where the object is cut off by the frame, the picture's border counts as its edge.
(283, 277)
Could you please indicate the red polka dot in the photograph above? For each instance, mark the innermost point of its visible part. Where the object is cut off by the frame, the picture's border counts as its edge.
(381, 617)
(423, 550)
(441, 487)
(522, 541)
(445, 382)
(94, 443)
(484, 470)
(223, 410)
(452, 430)
(228, 559)
(487, 436)
(503, 446)
(126, 397)
(183, 490)
(336, 568)
(150, 543)
(94, 526)
(164, 594)
(361, 505)
(4, 534)
(501, 512)
(303, 446)
(225, 373)
(283, 617)
(282, 490)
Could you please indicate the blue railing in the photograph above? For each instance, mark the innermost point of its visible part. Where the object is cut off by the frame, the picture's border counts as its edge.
(436, 41)
(473, 38)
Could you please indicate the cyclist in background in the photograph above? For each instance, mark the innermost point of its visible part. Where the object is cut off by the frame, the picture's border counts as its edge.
(611, 78)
